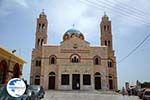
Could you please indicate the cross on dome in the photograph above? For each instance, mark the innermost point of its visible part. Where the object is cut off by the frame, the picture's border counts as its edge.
(73, 25)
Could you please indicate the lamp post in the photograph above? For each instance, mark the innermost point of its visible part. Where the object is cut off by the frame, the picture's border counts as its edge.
(14, 51)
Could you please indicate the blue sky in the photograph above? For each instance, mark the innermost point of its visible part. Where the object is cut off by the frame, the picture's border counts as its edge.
(18, 24)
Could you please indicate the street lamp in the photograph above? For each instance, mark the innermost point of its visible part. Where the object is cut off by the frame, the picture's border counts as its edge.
(14, 51)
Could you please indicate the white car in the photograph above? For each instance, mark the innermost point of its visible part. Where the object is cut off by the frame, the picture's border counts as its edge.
(146, 95)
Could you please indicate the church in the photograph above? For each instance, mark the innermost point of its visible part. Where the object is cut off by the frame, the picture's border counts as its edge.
(73, 64)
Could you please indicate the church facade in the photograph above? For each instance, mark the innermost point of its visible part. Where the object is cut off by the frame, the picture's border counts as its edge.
(73, 64)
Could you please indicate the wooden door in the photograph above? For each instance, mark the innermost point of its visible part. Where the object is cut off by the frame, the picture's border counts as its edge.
(97, 83)
(51, 82)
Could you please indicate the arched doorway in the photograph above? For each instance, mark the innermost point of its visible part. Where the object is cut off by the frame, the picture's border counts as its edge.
(16, 71)
(110, 83)
(51, 84)
(3, 71)
(37, 80)
(97, 78)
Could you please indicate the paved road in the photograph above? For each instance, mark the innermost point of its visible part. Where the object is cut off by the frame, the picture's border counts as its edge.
(85, 95)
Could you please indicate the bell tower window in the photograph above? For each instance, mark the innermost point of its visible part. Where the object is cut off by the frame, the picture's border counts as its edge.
(39, 25)
(108, 28)
(109, 43)
(110, 64)
(38, 42)
(43, 26)
(104, 27)
(42, 42)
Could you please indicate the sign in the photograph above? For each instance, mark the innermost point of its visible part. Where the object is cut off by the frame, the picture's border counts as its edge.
(16, 87)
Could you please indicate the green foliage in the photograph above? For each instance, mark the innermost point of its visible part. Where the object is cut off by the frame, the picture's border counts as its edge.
(145, 85)
(0, 85)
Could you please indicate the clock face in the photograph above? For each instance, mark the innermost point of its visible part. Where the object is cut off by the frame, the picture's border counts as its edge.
(75, 45)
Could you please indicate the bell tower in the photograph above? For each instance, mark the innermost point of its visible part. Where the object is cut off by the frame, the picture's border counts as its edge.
(41, 30)
(106, 34)
(106, 40)
(40, 39)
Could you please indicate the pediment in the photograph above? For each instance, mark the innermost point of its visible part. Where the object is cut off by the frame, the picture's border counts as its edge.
(75, 43)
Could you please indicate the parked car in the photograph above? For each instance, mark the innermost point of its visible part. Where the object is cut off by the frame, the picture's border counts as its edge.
(146, 94)
(36, 90)
(140, 93)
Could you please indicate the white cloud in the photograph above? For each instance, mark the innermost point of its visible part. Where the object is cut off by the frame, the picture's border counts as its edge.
(7, 6)
(21, 2)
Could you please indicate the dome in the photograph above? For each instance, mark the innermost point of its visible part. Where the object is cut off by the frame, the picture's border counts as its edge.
(71, 33)
(72, 30)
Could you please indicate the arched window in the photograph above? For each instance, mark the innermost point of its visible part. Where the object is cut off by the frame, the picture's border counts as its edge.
(66, 36)
(96, 60)
(16, 71)
(81, 36)
(38, 63)
(52, 59)
(109, 43)
(3, 71)
(110, 77)
(52, 74)
(37, 77)
(105, 43)
(39, 25)
(75, 59)
(110, 63)
(97, 74)
(73, 35)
